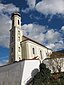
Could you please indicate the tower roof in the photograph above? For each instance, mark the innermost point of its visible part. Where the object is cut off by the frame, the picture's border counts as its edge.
(15, 13)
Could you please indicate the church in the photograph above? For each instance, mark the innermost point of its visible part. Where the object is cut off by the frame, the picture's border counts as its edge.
(22, 47)
(25, 56)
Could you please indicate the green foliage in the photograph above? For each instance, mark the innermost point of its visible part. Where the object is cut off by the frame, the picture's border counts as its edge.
(59, 80)
(44, 77)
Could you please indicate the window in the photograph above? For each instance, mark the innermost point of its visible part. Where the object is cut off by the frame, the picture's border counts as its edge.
(19, 58)
(13, 22)
(11, 50)
(12, 32)
(33, 50)
(19, 49)
(18, 38)
(12, 39)
(18, 32)
(41, 54)
(18, 22)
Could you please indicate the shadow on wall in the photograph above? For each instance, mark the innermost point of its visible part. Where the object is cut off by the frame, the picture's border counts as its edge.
(34, 72)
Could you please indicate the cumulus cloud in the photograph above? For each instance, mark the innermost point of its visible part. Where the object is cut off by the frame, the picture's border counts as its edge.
(34, 31)
(31, 3)
(53, 36)
(8, 8)
(51, 46)
(62, 28)
(56, 46)
(55, 40)
(5, 22)
(50, 7)
(47, 6)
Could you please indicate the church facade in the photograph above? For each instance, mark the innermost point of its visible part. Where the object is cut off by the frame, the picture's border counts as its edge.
(22, 47)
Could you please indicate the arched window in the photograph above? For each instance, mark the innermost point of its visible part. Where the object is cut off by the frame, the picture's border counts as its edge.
(18, 22)
(12, 50)
(19, 49)
(13, 22)
(18, 38)
(12, 39)
(33, 50)
(18, 32)
(41, 54)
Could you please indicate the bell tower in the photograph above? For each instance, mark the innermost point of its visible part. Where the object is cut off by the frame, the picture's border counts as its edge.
(15, 38)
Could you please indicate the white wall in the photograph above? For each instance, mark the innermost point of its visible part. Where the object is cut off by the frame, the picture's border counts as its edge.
(37, 47)
(30, 68)
(18, 73)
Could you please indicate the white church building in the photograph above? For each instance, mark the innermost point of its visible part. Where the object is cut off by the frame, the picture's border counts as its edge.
(22, 47)
(25, 56)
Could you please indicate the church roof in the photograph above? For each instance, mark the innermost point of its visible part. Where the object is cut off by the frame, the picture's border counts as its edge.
(27, 38)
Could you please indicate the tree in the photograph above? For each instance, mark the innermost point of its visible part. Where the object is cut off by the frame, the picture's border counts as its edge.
(54, 64)
(42, 77)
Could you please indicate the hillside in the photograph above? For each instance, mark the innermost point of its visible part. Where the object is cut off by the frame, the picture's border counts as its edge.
(58, 54)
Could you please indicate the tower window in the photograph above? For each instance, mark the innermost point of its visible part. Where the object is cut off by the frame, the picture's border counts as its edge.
(41, 54)
(33, 50)
(11, 50)
(13, 22)
(12, 32)
(19, 49)
(18, 38)
(12, 39)
(19, 58)
(18, 32)
(18, 22)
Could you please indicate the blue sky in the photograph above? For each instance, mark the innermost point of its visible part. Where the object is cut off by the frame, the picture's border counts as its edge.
(42, 20)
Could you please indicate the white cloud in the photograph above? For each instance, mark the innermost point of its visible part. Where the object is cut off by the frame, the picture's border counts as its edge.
(56, 46)
(4, 30)
(50, 7)
(46, 7)
(34, 31)
(51, 46)
(59, 46)
(52, 36)
(31, 3)
(55, 40)
(25, 10)
(9, 8)
(5, 22)
(62, 28)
